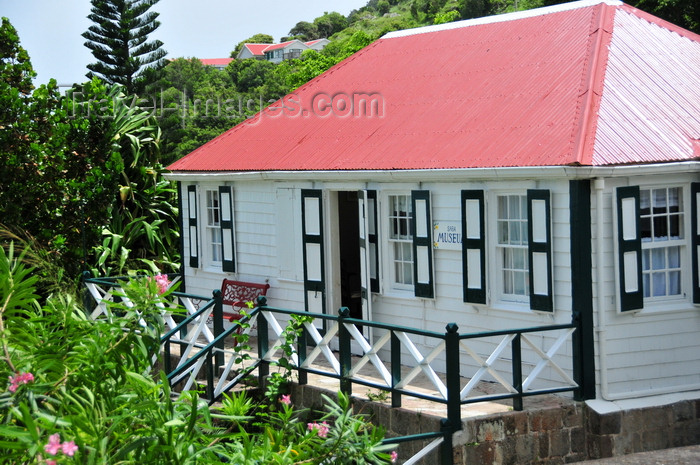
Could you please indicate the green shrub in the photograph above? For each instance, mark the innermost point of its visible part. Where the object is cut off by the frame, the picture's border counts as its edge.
(83, 391)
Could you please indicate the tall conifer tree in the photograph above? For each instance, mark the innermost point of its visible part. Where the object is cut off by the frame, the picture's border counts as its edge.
(118, 40)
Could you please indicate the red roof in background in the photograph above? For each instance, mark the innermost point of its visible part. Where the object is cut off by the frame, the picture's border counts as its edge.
(256, 49)
(524, 89)
(216, 61)
(280, 45)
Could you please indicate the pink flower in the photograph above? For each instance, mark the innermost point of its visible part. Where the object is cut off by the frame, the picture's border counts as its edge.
(50, 462)
(321, 429)
(69, 448)
(163, 283)
(394, 456)
(21, 378)
(54, 444)
(286, 399)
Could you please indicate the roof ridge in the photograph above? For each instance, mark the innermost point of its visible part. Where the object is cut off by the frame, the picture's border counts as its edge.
(592, 83)
(501, 18)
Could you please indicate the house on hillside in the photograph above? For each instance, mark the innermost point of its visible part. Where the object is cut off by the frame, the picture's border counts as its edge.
(285, 51)
(546, 164)
(280, 52)
(317, 44)
(252, 51)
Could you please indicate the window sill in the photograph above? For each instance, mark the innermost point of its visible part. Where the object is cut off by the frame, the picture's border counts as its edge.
(401, 294)
(518, 307)
(665, 307)
(209, 269)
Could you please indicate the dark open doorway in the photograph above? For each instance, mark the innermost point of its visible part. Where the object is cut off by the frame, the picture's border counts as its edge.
(350, 277)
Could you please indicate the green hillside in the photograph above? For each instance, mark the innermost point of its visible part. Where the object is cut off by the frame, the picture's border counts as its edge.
(381, 16)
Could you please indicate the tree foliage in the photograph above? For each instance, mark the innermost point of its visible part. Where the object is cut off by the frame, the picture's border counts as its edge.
(78, 390)
(684, 13)
(72, 165)
(304, 31)
(330, 23)
(195, 104)
(118, 40)
(56, 182)
(312, 63)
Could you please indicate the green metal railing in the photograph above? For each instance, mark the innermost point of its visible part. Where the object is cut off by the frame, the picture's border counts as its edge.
(450, 345)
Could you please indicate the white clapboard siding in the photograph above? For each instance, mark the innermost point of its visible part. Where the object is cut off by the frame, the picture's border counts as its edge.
(644, 350)
(448, 306)
(651, 349)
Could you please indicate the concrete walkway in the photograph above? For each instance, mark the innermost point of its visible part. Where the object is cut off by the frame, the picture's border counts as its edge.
(678, 456)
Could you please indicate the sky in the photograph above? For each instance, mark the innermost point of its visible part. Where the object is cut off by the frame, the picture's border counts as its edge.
(50, 30)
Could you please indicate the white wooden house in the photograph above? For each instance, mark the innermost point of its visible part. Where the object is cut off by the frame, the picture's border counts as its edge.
(276, 53)
(546, 162)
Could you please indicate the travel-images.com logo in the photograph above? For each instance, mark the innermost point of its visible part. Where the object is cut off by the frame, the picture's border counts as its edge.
(322, 105)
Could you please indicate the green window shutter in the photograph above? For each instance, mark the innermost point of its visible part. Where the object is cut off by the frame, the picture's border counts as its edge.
(312, 248)
(539, 231)
(473, 247)
(629, 248)
(422, 231)
(228, 244)
(695, 238)
(192, 223)
(181, 224)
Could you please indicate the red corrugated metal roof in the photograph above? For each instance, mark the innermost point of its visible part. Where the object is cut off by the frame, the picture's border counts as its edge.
(653, 116)
(280, 45)
(512, 90)
(216, 61)
(256, 49)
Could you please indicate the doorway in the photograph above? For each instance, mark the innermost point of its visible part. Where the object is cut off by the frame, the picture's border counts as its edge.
(349, 249)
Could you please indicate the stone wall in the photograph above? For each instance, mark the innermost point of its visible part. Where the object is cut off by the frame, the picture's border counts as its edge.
(636, 430)
(547, 435)
(543, 436)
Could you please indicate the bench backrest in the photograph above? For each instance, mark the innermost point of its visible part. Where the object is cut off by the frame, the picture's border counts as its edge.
(238, 293)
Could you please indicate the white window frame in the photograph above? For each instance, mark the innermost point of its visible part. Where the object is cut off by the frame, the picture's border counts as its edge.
(683, 243)
(211, 212)
(499, 295)
(392, 283)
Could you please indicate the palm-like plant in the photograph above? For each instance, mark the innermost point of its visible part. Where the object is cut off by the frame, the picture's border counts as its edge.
(143, 231)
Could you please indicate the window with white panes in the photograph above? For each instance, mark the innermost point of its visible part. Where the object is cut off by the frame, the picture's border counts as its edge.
(512, 247)
(663, 241)
(213, 227)
(401, 241)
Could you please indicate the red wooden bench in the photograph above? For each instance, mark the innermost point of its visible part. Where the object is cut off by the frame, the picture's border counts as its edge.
(236, 295)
